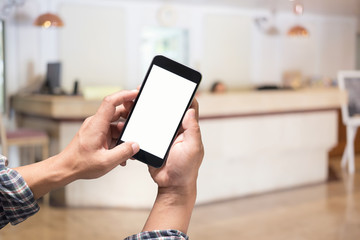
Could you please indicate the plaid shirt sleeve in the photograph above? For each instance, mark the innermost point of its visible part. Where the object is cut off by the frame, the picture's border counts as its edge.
(17, 201)
(159, 235)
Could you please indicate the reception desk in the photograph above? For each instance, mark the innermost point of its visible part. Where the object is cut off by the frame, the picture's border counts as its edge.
(255, 142)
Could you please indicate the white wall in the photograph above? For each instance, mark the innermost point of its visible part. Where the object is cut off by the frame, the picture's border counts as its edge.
(28, 48)
(238, 52)
(92, 47)
(227, 48)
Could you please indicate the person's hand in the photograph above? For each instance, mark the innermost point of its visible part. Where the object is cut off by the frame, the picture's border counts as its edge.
(185, 156)
(93, 150)
(176, 180)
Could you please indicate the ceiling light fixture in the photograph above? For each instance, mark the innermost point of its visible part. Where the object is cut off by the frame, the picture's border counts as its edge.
(268, 24)
(298, 9)
(298, 30)
(48, 20)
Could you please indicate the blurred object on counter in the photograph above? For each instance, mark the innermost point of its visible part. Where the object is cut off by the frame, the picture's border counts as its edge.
(292, 79)
(266, 87)
(320, 81)
(218, 87)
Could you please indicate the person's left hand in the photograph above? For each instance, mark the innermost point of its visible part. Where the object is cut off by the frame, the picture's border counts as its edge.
(93, 151)
(180, 171)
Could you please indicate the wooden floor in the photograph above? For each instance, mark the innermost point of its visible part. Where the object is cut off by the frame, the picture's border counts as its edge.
(325, 211)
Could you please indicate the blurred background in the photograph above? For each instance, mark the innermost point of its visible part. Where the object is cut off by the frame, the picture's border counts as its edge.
(270, 110)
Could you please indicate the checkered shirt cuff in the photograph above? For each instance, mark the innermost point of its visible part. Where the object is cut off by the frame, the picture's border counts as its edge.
(16, 199)
(159, 235)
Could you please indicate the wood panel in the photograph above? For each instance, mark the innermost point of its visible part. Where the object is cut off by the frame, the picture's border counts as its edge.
(55, 107)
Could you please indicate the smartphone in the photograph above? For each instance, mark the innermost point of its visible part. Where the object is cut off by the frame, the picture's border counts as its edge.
(164, 97)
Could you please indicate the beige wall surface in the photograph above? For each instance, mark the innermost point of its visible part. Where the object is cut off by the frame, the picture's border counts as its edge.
(92, 45)
(227, 48)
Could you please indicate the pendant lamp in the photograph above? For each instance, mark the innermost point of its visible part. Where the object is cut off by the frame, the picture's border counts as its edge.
(298, 30)
(48, 20)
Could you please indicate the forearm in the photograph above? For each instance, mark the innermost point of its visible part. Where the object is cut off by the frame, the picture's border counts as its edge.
(172, 209)
(49, 174)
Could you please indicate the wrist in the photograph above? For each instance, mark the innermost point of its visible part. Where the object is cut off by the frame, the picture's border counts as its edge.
(175, 196)
(46, 175)
(67, 171)
(61, 172)
(172, 208)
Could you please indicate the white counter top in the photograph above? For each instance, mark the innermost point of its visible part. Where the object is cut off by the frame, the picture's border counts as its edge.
(269, 102)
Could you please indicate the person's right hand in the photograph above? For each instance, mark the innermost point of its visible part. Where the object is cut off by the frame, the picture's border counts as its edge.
(93, 149)
(91, 153)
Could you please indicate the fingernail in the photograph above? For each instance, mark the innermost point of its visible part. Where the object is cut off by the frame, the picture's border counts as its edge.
(135, 147)
(192, 113)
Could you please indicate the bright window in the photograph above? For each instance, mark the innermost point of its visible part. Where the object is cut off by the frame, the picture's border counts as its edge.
(170, 42)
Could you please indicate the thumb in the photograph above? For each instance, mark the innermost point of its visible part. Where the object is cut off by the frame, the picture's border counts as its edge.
(122, 152)
(190, 125)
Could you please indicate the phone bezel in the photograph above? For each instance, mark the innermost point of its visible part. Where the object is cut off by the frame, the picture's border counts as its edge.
(178, 69)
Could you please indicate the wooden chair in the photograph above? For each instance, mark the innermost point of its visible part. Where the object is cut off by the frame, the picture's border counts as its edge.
(25, 138)
(350, 82)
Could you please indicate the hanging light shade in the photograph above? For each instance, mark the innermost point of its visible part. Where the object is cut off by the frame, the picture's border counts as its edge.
(272, 31)
(48, 20)
(298, 9)
(298, 31)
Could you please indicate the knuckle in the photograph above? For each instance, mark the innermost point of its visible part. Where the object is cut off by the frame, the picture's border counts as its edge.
(107, 99)
(87, 121)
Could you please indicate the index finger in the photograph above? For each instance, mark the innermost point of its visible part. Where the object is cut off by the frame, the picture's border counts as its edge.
(108, 106)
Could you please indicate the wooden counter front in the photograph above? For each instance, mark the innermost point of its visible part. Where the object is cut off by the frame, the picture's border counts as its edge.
(55, 107)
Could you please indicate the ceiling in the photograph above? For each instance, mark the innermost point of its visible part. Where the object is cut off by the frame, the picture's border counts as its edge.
(333, 7)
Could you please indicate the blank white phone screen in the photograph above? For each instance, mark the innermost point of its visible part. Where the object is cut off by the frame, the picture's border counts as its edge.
(158, 111)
